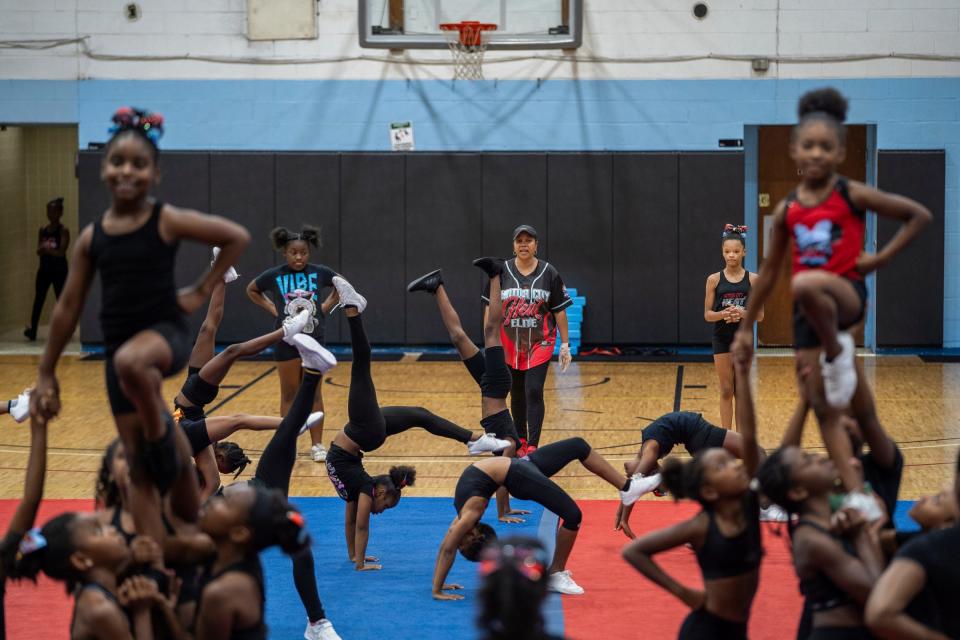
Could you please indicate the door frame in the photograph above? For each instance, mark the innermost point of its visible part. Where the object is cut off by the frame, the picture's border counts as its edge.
(751, 167)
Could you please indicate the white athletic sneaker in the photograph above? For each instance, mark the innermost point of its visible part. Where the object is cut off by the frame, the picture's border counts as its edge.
(865, 503)
(322, 629)
(20, 407)
(840, 376)
(292, 325)
(230, 274)
(561, 582)
(348, 295)
(318, 452)
(487, 443)
(312, 419)
(773, 513)
(312, 353)
(639, 485)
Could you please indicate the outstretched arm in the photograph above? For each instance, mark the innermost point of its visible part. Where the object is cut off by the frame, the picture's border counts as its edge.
(362, 534)
(746, 416)
(45, 399)
(793, 436)
(466, 521)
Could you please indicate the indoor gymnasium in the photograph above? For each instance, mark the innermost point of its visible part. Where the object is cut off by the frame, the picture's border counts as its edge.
(495, 319)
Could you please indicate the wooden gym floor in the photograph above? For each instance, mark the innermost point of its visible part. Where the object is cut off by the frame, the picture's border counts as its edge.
(606, 403)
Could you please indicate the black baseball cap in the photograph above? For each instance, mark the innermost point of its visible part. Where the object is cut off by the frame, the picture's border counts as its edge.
(524, 228)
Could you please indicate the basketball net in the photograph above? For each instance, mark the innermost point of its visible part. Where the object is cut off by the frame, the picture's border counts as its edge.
(468, 42)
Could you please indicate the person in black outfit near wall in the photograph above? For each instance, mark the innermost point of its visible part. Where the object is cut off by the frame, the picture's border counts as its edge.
(284, 291)
(724, 304)
(53, 241)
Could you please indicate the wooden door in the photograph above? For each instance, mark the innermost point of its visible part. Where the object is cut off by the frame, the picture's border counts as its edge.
(777, 177)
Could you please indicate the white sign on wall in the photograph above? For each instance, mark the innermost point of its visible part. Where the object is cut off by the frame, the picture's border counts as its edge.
(401, 136)
(281, 19)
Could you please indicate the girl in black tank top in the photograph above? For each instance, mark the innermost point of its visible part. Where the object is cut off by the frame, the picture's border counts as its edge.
(52, 243)
(725, 534)
(232, 592)
(724, 304)
(836, 573)
(133, 246)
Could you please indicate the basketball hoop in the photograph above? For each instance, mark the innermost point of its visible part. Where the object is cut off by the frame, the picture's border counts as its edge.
(468, 42)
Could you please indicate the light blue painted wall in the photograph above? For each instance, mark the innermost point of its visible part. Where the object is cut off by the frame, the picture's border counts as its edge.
(909, 113)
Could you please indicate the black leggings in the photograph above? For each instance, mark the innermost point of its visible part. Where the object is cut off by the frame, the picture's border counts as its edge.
(495, 381)
(526, 401)
(529, 479)
(703, 625)
(367, 426)
(400, 419)
(46, 276)
(274, 470)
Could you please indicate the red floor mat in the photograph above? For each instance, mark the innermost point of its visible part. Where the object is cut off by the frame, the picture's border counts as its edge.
(42, 610)
(620, 603)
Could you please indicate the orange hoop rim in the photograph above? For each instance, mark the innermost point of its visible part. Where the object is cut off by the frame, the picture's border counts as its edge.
(470, 31)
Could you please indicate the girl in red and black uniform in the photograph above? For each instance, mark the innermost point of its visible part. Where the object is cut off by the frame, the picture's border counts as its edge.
(826, 218)
(284, 291)
(52, 243)
(534, 300)
(724, 305)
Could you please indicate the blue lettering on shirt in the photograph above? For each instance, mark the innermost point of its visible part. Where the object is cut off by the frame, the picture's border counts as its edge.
(293, 281)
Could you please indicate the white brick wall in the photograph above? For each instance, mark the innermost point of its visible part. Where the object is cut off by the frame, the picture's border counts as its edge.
(613, 28)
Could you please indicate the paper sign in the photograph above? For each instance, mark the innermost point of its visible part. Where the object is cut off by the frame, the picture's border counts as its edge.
(401, 136)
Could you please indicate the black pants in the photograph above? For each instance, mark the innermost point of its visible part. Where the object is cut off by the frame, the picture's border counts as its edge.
(46, 275)
(703, 625)
(274, 471)
(400, 419)
(367, 426)
(526, 401)
(529, 479)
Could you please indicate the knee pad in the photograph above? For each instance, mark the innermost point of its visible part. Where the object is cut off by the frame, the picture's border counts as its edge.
(198, 391)
(501, 425)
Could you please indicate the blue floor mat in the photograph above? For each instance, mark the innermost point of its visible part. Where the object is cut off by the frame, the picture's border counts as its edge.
(395, 602)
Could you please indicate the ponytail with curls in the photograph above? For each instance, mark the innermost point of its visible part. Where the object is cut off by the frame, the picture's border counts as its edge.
(683, 479)
(281, 236)
(234, 458)
(396, 480)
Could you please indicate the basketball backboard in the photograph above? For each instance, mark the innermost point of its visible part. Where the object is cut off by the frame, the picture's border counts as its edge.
(521, 24)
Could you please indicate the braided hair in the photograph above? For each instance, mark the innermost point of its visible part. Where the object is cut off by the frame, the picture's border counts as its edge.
(823, 105)
(138, 122)
(281, 236)
(106, 491)
(234, 458)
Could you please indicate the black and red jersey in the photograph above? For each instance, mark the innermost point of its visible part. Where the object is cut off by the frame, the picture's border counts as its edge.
(528, 331)
(828, 235)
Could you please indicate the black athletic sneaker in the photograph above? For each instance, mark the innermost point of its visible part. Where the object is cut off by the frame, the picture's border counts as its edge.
(490, 266)
(427, 282)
